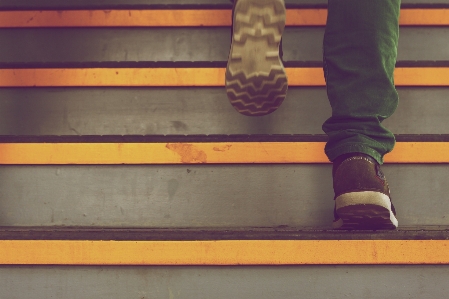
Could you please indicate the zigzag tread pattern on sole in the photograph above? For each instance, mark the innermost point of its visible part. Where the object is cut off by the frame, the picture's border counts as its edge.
(256, 82)
(260, 93)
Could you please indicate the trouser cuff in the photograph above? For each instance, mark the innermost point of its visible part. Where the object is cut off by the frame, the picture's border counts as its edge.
(334, 153)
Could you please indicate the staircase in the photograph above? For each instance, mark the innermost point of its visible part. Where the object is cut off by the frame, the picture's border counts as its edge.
(126, 173)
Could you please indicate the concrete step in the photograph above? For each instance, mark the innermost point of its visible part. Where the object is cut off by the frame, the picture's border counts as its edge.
(104, 268)
(165, 150)
(186, 44)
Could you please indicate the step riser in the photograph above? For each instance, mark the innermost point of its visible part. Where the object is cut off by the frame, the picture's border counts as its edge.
(334, 282)
(193, 44)
(203, 196)
(103, 111)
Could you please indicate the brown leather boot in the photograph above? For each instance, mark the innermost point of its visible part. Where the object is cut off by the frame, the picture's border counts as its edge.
(362, 196)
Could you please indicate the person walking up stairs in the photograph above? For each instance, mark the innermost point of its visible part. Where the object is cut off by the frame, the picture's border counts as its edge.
(359, 53)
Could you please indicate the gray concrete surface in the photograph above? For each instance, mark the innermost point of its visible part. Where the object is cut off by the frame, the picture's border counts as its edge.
(203, 196)
(185, 44)
(199, 196)
(140, 111)
(330, 282)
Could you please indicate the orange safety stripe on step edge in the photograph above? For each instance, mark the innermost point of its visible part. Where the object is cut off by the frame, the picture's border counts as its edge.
(301, 76)
(187, 18)
(240, 252)
(200, 153)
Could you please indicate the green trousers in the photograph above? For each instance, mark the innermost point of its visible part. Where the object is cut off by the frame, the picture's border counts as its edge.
(360, 50)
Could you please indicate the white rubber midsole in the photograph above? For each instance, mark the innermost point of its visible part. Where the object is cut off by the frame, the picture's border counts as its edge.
(363, 198)
(366, 198)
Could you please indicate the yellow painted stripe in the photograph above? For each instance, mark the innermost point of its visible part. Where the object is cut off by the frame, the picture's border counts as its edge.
(426, 76)
(116, 18)
(424, 17)
(201, 153)
(408, 76)
(186, 18)
(113, 77)
(290, 252)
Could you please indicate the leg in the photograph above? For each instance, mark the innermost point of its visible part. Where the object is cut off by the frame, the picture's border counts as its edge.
(360, 49)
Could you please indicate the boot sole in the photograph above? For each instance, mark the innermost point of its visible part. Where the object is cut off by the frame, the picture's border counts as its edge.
(256, 82)
(364, 210)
